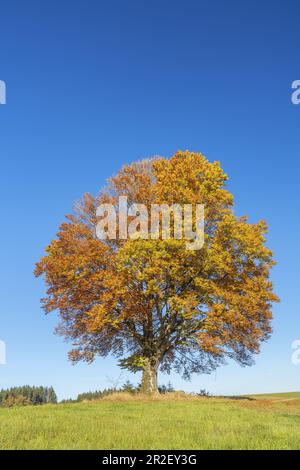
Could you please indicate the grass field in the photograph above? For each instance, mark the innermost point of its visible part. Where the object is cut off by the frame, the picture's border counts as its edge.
(254, 422)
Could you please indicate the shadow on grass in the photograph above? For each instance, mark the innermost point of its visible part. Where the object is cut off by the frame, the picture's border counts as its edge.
(238, 397)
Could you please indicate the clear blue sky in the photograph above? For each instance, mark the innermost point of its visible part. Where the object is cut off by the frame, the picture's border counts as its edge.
(95, 84)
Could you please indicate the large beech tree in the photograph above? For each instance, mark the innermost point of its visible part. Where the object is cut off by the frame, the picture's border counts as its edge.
(154, 303)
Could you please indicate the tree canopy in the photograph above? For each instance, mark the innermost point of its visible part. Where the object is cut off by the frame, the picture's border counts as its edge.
(153, 303)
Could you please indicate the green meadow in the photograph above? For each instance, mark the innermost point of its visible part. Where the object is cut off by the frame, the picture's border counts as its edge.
(174, 422)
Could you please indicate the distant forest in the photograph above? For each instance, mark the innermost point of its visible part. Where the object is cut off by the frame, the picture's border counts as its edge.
(27, 395)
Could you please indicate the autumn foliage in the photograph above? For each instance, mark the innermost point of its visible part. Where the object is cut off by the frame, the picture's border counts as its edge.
(153, 303)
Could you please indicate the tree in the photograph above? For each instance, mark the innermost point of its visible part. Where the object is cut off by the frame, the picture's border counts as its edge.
(27, 395)
(153, 303)
(129, 387)
(51, 395)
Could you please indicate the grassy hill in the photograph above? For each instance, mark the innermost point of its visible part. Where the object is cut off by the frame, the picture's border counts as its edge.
(126, 422)
(277, 396)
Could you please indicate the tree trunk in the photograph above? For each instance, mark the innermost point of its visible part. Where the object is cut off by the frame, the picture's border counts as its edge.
(149, 378)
